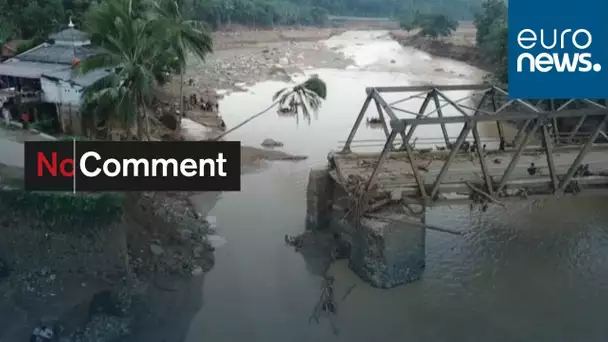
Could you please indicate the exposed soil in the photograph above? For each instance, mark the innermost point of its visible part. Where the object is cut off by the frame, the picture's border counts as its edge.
(167, 259)
(160, 286)
(459, 46)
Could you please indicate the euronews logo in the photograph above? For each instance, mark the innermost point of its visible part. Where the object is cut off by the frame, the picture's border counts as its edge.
(559, 57)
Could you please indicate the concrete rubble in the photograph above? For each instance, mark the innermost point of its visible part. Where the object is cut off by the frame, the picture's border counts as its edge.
(385, 252)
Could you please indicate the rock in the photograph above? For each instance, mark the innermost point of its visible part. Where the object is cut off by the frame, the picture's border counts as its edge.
(276, 70)
(106, 303)
(193, 131)
(271, 143)
(156, 250)
(197, 271)
(393, 61)
(42, 334)
(4, 270)
(185, 234)
(198, 251)
(291, 158)
(170, 121)
(216, 241)
(396, 195)
(104, 328)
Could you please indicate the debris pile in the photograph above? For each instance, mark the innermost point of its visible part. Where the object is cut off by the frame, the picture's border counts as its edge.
(42, 334)
(295, 241)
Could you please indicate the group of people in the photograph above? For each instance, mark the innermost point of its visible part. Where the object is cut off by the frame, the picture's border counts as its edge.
(7, 117)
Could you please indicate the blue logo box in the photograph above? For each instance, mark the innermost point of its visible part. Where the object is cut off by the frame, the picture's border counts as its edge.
(558, 49)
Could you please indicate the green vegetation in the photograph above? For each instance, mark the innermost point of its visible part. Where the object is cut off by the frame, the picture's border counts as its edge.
(430, 25)
(306, 96)
(303, 98)
(143, 43)
(35, 19)
(454, 9)
(63, 211)
(492, 35)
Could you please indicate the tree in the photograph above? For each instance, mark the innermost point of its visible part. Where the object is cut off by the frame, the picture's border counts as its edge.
(407, 24)
(308, 95)
(184, 36)
(492, 13)
(435, 25)
(492, 36)
(132, 47)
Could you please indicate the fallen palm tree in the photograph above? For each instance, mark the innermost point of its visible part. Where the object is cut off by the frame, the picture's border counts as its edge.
(304, 98)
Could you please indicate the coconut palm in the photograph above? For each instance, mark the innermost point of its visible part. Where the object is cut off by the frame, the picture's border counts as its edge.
(131, 47)
(184, 36)
(307, 95)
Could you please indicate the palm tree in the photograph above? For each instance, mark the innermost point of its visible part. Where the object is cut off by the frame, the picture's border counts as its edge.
(184, 36)
(131, 46)
(308, 96)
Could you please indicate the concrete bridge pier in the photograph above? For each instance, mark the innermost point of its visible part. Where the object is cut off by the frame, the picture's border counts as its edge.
(385, 251)
(319, 196)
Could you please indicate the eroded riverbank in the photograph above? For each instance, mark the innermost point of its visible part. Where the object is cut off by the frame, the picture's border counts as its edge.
(531, 272)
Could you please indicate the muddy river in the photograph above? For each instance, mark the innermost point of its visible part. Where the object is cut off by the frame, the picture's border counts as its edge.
(528, 272)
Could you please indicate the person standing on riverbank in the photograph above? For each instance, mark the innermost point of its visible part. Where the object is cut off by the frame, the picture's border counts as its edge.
(25, 117)
(6, 114)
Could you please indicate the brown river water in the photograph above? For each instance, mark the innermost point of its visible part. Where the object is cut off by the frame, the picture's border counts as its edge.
(527, 272)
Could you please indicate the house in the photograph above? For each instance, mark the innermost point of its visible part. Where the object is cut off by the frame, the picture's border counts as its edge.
(44, 75)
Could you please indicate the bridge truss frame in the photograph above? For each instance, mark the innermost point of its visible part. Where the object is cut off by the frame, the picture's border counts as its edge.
(492, 107)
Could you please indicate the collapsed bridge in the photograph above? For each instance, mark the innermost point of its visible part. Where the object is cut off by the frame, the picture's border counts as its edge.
(376, 200)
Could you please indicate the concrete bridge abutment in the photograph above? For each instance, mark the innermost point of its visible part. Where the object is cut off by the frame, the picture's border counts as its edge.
(387, 250)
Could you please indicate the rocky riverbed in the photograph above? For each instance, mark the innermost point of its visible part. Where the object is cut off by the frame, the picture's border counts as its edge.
(244, 58)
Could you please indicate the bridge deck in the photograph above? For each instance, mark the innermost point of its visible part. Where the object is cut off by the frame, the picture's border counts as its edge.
(397, 175)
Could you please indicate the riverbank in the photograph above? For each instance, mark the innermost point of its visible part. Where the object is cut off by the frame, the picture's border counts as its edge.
(460, 46)
(85, 276)
(153, 255)
(165, 302)
(243, 58)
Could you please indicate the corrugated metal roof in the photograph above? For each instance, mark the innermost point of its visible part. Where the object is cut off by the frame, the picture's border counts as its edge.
(70, 35)
(82, 80)
(27, 69)
(60, 54)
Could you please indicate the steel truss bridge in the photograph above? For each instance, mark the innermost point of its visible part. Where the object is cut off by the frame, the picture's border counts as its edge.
(540, 149)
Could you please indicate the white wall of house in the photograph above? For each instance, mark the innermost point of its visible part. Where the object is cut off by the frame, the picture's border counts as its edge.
(61, 92)
(67, 98)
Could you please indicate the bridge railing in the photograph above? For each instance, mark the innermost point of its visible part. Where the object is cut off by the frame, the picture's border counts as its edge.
(532, 119)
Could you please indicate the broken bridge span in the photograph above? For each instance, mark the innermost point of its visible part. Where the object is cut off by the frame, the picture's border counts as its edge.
(375, 201)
